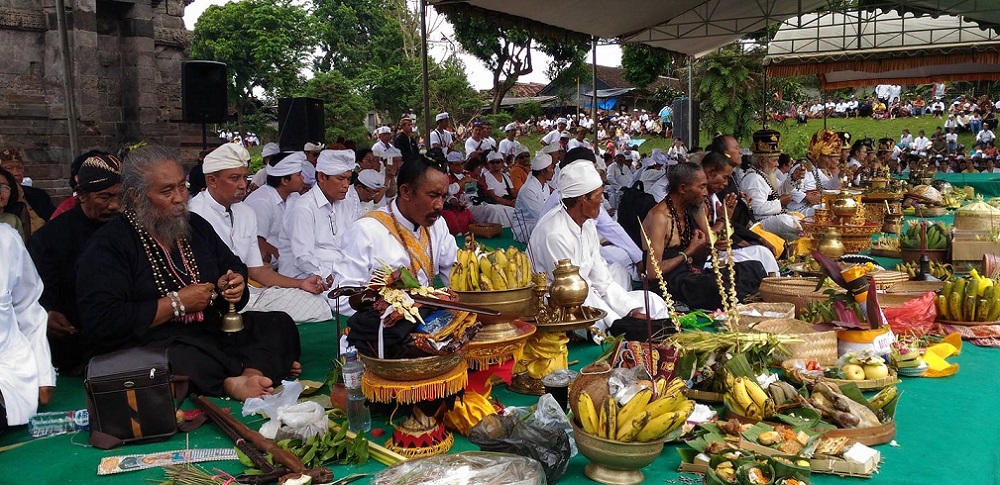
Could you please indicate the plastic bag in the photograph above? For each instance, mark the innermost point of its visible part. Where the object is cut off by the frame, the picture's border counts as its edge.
(915, 317)
(302, 422)
(548, 414)
(466, 468)
(508, 434)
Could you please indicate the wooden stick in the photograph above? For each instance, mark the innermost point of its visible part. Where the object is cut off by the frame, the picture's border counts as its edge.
(263, 444)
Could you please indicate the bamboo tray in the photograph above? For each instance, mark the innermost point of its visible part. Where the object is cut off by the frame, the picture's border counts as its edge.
(792, 372)
(867, 436)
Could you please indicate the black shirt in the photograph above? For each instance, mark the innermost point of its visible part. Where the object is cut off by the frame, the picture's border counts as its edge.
(407, 145)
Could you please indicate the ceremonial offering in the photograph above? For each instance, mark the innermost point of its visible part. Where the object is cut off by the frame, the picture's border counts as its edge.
(972, 300)
(934, 240)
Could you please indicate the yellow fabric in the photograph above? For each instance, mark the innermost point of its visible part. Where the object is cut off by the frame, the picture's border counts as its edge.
(377, 389)
(936, 354)
(544, 352)
(955, 339)
(468, 411)
(802, 245)
(773, 239)
(414, 248)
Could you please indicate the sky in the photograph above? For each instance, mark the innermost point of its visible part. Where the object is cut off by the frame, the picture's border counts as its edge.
(440, 47)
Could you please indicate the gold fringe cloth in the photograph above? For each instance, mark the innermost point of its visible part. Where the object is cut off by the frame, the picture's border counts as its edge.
(377, 389)
(426, 451)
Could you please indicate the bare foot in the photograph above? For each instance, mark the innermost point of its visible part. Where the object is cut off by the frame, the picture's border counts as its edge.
(296, 369)
(247, 385)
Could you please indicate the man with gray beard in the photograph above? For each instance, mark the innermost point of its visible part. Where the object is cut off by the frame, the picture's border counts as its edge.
(159, 276)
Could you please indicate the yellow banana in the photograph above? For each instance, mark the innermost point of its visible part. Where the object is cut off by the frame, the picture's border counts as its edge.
(484, 266)
(629, 430)
(484, 283)
(739, 391)
(755, 392)
(732, 404)
(499, 258)
(610, 423)
(588, 414)
(634, 406)
(665, 404)
(499, 278)
(661, 426)
(457, 279)
(661, 386)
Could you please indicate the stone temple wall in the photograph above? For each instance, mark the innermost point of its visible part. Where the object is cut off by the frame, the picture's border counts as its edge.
(127, 57)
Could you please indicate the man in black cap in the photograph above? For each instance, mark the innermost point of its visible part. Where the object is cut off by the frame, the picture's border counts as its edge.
(56, 247)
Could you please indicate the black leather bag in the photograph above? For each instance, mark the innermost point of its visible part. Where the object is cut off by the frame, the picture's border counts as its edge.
(131, 397)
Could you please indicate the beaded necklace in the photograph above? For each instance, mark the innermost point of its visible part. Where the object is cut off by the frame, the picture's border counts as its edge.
(774, 193)
(688, 233)
(165, 274)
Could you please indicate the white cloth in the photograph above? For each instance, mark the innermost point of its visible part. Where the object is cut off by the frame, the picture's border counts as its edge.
(226, 156)
(509, 148)
(620, 175)
(238, 228)
(557, 237)
(754, 252)
(471, 145)
(552, 138)
(336, 162)
(607, 228)
(442, 139)
(380, 147)
(310, 235)
(578, 178)
(498, 185)
(574, 143)
(528, 207)
(25, 359)
(798, 189)
(369, 245)
(754, 185)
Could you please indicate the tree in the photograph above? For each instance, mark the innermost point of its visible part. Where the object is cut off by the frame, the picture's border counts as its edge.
(506, 50)
(264, 43)
(355, 35)
(642, 64)
(345, 105)
(450, 90)
(730, 92)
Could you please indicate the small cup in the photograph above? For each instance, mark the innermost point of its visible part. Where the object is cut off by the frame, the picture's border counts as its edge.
(557, 383)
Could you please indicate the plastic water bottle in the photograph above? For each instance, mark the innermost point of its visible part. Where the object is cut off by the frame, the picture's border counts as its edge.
(58, 422)
(359, 417)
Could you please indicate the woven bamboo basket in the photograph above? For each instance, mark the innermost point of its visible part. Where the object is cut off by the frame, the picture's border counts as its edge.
(754, 313)
(797, 291)
(792, 366)
(485, 230)
(905, 291)
(887, 279)
(818, 346)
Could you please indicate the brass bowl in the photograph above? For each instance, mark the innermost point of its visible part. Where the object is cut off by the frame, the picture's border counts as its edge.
(845, 207)
(614, 462)
(416, 369)
(512, 304)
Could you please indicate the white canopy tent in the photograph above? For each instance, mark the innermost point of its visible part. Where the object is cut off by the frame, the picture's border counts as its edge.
(883, 47)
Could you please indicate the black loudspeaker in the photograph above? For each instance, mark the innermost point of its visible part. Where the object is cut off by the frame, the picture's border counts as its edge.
(203, 92)
(680, 119)
(300, 120)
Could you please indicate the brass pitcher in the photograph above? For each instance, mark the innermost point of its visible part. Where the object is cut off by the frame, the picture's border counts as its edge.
(845, 205)
(568, 288)
(831, 245)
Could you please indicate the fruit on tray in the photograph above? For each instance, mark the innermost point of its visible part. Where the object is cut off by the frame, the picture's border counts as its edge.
(938, 236)
(876, 370)
(644, 417)
(969, 299)
(746, 398)
(853, 372)
(481, 270)
(938, 270)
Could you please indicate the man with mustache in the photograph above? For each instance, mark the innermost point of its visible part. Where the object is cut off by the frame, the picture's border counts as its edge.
(158, 276)
(56, 248)
(408, 233)
(315, 222)
(235, 223)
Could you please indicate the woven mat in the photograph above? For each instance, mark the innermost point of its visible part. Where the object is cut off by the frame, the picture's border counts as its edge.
(981, 335)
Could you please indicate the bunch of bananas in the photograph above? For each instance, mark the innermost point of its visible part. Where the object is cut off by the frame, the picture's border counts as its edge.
(970, 299)
(479, 270)
(746, 398)
(938, 270)
(938, 236)
(884, 397)
(645, 417)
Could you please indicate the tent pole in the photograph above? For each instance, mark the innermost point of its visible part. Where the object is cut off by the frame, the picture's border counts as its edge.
(691, 136)
(69, 90)
(593, 85)
(423, 61)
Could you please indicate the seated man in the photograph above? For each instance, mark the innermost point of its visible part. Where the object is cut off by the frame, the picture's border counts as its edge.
(314, 223)
(27, 377)
(758, 182)
(283, 183)
(569, 232)
(619, 250)
(234, 222)
(498, 189)
(152, 277)
(677, 230)
(409, 232)
(531, 199)
(368, 193)
(37, 202)
(57, 246)
(462, 185)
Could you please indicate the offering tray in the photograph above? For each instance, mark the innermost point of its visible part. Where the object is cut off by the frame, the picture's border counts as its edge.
(485, 351)
(582, 319)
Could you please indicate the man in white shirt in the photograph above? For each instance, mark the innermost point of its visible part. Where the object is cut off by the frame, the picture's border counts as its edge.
(552, 137)
(408, 233)
(766, 203)
(440, 136)
(314, 223)
(476, 144)
(569, 232)
(27, 377)
(985, 136)
(367, 194)
(580, 140)
(509, 146)
(311, 153)
(951, 139)
(384, 134)
(532, 196)
(236, 224)
(619, 176)
(920, 143)
(284, 183)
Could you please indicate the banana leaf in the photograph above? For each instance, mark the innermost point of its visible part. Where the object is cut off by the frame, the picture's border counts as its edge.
(687, 454)
(753, 432)
(739, 366)
(851, 390)
(800, 418)
(890, 408)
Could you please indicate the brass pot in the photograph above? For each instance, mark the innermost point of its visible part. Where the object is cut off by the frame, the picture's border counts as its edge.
(831, 244)
(615, 462)
(845, 206)
(568, 288)
(512, 304)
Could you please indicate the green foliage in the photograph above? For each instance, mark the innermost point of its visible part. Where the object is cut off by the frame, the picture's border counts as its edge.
(265, 45)
(642, 64)
(450, 90)
(358, 34)
(524, 111)
(498, 120)
(729, 92)
(345, 105)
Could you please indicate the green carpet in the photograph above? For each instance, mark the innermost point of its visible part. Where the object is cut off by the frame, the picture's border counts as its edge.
(947, 433)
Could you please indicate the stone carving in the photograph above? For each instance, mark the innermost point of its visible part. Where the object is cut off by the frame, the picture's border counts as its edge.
(15, 18)
(180, 38)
